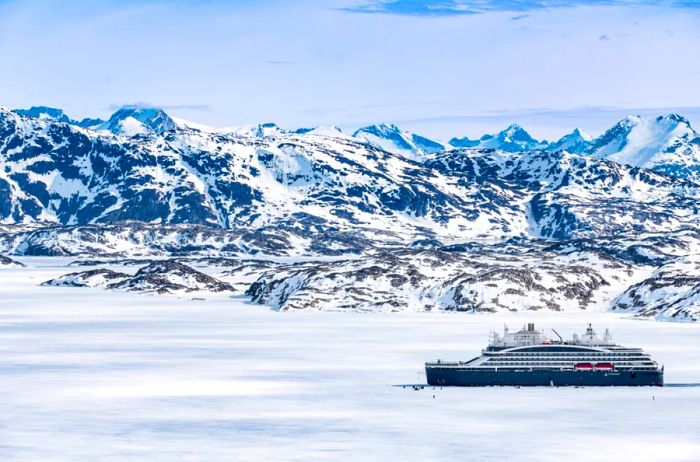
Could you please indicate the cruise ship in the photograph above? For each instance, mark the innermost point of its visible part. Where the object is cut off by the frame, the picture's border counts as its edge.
(530, 358)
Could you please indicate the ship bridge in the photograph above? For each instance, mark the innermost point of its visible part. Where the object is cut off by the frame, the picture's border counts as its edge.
(528, 336)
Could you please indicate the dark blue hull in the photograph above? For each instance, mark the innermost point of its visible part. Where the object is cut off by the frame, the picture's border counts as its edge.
(451, 376)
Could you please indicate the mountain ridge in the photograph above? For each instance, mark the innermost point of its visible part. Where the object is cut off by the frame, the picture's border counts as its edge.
(666, 143)
(184, 175)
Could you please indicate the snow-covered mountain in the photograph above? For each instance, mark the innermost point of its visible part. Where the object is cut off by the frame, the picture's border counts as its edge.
(306, 186)
(324, 130)
(57, 115)
(145, 184)
(576, 142)
(666, 144)
(255, 131)
(137, 120)
(512, 139)
(392, 139)
(46, 113)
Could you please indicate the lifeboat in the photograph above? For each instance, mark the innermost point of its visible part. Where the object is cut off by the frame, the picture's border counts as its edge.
(583, 366)
(604, 366)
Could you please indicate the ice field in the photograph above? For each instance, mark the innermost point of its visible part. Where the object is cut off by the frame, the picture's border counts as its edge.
(89, 374)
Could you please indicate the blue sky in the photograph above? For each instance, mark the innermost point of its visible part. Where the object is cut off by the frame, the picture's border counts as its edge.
(440, 68)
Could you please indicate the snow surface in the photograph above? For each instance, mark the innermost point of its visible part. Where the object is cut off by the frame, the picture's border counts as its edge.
(94, 375)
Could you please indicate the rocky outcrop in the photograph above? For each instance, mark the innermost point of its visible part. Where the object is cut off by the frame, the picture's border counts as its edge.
(94, 278)
(161, 277)
(8, 262)
(418, 280)
(672, 292)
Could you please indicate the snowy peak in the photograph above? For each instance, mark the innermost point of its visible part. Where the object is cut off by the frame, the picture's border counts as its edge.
(391, 138)
(427, 145)
(581, 135)
(90, 122)
(516, 133)
(575, 142)
(674, 118)
(256, 130)
(666, 143)
(323, 130)
(463, 142)
(513, 139)
(138, 120)
(300, 192)
(56, 115)
(45, 113)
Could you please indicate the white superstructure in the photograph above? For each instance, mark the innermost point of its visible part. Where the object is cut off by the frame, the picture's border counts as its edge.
(528, 335)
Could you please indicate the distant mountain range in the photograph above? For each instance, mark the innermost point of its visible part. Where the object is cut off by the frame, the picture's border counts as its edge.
(143, 165)
(665, 143)
(145, 183)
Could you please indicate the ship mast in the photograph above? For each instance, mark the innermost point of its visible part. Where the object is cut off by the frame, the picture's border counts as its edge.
(560, 338)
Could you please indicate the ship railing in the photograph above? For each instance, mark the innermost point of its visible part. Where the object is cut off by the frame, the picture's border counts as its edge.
(446, 363)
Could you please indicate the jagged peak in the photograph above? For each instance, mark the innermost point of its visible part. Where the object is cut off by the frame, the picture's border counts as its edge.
(326, 130)
(90, 122)
(258, 130)
(513, 128)
(631, 121)
(380, 128)
(463, 142)
(137, 119)
(647, 141)
(632, 118)
(579, 133)
(674, 118)
(513, 131)
(138, 111)
(44, 113)
(512, 138)
(575, 142)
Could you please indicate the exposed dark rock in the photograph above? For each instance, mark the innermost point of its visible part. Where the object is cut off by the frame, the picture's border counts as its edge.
(427, 280)
(672, 292)
(7, 261)
(158, 277)
(94, 278)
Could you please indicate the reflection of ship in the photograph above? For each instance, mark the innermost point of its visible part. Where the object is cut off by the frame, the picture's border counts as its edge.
(528, 357)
